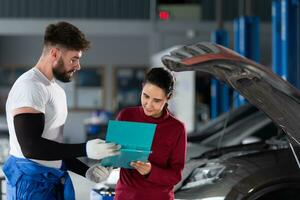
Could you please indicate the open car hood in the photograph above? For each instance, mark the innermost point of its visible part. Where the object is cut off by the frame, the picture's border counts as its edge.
(257, 83)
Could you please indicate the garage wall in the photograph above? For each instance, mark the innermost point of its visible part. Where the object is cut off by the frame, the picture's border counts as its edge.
(114, 44)
(124, 50)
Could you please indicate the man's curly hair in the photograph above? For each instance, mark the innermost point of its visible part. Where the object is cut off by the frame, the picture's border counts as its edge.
(66, 35)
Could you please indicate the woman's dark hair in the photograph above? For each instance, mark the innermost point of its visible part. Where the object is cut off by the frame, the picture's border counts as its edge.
(162, 78)
(66, 35)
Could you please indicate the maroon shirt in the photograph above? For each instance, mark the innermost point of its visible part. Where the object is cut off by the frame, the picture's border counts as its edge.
(167, 159)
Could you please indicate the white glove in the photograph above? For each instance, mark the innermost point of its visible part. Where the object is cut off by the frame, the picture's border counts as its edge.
(98, 173)
(98, 149)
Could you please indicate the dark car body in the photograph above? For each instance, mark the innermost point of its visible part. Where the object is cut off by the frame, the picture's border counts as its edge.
(258, 84)
(224, 120)
(257, 171)
(250, 128)
(252, 171)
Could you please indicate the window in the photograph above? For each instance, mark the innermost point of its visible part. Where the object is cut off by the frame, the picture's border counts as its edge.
(86, 91)
(89, 88)
(128, 86)
(91, 77)
(7, 78)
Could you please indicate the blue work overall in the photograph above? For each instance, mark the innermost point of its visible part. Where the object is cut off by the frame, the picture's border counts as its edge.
(28, 180)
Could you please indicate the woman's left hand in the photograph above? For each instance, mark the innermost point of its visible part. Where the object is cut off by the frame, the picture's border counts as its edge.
(143, 168)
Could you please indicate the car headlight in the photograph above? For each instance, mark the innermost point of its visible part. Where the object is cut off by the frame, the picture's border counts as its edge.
(204, 175)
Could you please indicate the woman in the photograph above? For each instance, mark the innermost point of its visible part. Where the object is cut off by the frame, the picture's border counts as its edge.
(155, 179)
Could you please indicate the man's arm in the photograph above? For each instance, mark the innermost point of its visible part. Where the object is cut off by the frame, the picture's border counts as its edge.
(29, 126)
(76, 166)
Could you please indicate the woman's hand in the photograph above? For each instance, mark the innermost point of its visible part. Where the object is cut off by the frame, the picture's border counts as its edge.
(143, 168)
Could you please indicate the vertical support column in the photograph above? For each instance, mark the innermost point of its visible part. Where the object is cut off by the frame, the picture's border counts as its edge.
(298, 43)
(109, 87)
(286, 40)
(246, 42)
(276, 38)
(220, 99)
(214, 87)
(153, 10)
(289, 40)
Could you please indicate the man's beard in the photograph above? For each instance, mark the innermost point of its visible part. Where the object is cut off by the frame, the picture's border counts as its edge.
(60, 73)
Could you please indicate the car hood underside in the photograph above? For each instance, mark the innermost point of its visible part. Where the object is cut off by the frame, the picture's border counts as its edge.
(258, 84)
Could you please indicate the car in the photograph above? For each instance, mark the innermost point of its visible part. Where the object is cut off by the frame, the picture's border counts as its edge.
(257, 171)
(263, 170)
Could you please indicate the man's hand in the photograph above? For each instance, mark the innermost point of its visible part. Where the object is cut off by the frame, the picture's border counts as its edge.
(98, 173)
(142, 167)
(98, 149)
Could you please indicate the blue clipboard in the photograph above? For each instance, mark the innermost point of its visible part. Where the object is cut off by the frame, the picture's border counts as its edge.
(135, 139)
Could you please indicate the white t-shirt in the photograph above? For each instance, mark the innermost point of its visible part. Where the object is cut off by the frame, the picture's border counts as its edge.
(33, 89)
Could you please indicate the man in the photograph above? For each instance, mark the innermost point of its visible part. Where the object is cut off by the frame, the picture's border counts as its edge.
(36, 112)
